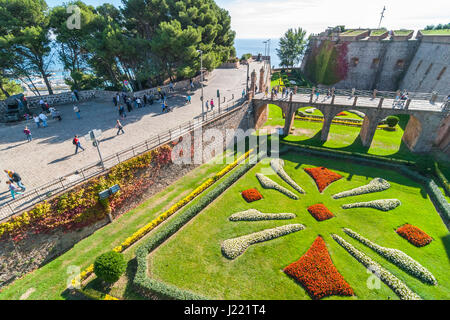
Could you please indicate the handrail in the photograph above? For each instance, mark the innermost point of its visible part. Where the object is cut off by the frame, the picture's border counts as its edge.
(47, 190)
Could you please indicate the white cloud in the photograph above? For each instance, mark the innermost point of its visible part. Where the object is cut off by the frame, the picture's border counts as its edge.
(268, 18)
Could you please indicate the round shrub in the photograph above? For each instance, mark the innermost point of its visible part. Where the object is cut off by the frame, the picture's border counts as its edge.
(392, 121)
(110, 266)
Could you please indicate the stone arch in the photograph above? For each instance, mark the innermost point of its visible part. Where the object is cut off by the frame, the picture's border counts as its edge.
(262, 112)
(362, 123)
(396, 140)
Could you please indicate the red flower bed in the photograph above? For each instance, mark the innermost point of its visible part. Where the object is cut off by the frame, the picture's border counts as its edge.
(323, 176)
(414, 235)
(341, 114)
(251, 195)
(317, 274)
(320, 212)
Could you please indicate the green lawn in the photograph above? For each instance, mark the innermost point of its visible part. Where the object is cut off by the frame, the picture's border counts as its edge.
(445, 32)
(402, 32)
(352, 32)
(192, 259)
(378, 32)
(50, 280)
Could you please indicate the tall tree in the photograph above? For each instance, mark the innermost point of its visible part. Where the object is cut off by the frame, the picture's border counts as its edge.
(24, 25)
(292, 47)
(71, 42)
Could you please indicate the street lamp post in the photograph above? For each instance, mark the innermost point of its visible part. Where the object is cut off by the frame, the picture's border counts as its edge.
(201, 80)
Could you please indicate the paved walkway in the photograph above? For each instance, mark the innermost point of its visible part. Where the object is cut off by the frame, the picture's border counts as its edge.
(51, 153)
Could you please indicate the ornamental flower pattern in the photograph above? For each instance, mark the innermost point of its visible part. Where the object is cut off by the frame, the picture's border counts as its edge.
(317, 286)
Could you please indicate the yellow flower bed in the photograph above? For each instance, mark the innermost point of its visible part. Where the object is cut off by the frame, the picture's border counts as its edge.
(151, 225)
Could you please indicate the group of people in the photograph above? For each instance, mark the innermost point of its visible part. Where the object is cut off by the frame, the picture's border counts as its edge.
(14, 182)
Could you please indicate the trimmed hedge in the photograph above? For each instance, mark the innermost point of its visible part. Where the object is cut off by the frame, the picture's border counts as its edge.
(402, 165)
(141, 281)
(442, 179)
(110, 266)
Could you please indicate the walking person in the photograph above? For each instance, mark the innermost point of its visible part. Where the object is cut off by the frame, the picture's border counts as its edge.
(119, 128)
(74, 97)
(37, 120)
(122, 111)
(207, 105)
(212, 104)
(128, 103)
(13, 189)
(55, 113)
(138, 102)
(77, 144)
(145, 100)
(27, 134)
(43, 118)
(115, 101)
(243, 93)
(77, 111)
(171, 87)
(188, 99)
(15, 178)
(75, 92)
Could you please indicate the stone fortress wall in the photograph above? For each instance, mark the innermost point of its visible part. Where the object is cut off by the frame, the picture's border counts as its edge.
(390, 62)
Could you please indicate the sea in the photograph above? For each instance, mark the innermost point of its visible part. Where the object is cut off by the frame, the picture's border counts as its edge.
(255, 46)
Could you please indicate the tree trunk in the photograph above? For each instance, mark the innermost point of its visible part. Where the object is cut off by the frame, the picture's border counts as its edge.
(47, 83)
(4, 91)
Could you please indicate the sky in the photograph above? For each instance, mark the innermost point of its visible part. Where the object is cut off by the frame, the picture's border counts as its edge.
(271, 19)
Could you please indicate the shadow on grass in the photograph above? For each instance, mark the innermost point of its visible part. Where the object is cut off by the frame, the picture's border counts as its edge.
(446, 242)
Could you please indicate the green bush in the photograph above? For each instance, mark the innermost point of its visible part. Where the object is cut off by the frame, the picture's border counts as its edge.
(392, 121)
(110, 266)
(246, 56)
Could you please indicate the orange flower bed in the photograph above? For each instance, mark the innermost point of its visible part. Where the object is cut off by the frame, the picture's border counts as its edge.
(323, 176)
(414, 235)
(320, 212)
(316, 272)
(341, 114)
(251, 195)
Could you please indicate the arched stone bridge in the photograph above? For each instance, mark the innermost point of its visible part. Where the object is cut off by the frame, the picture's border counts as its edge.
(427, 119)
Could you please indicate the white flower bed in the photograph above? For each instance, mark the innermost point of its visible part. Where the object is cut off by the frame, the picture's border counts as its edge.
(310, 110)
(255, 215)
(232, 248)
(376, 185)
(358, 113)
(383, 205)
(270, 184)
(278, 166)
(397, 257)
(400, 288)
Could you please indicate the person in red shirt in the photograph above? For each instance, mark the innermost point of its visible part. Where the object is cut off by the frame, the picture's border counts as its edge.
(77, 144)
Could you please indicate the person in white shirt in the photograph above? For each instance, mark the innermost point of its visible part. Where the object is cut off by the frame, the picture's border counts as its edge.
(138, 101)
(43, 117)
(37, 120)
(41, 103)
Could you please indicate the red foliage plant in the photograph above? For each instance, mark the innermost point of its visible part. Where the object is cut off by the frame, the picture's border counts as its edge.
(320, 212)
(414, 235)
(316, 272)
(251, 195)
(323, 176)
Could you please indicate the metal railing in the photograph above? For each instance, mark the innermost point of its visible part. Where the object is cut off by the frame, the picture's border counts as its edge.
(46, 191)
(438, 102)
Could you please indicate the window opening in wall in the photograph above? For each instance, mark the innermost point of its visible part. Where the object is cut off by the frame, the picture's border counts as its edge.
(429, 68)
(418, 65)
(441, 73)
(375, 62)
(400, 63)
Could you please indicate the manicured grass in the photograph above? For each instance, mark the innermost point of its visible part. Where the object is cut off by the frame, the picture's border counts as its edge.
(192, 259)
(352, 32)
(378, 32)
(50, 280)
(445, 32)
(402, 32)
